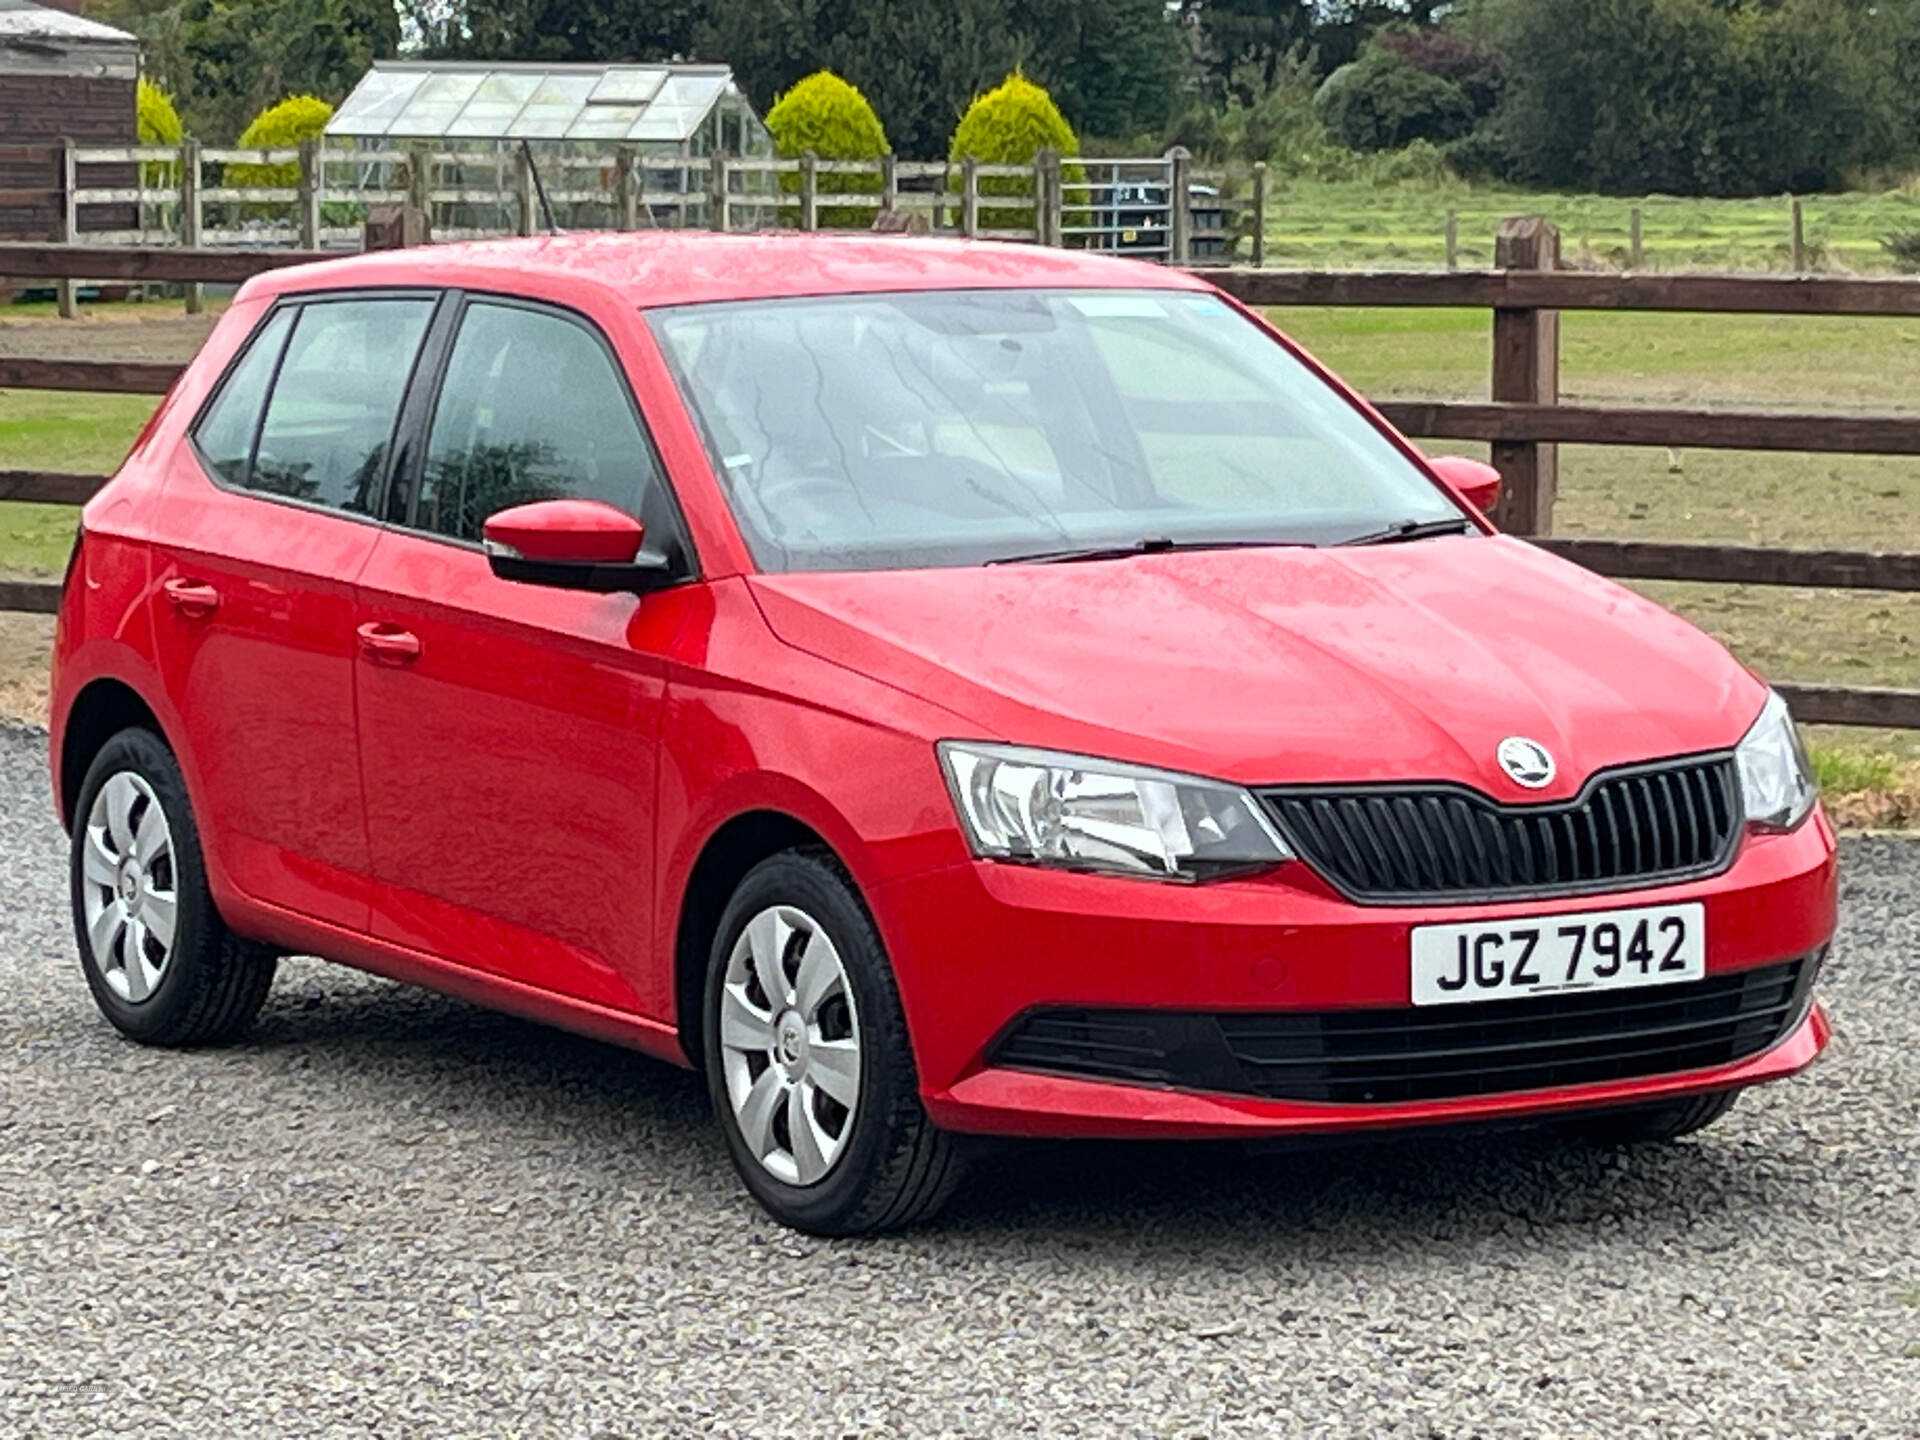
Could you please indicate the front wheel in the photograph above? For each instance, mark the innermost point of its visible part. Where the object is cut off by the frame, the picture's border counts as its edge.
(161, 963)
(808, 1061)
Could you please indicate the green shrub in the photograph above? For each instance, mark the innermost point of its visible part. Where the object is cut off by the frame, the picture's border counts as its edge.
(156, 123)
(1010, 125)
(1381, 102)
(1848, 772)
(279, 127)
(826, 115)
(1904, 247)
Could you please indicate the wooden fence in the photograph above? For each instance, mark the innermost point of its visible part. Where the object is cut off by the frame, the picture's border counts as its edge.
(316, 196)
(1524, 422)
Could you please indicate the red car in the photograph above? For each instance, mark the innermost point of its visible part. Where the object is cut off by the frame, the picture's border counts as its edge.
(938, 690)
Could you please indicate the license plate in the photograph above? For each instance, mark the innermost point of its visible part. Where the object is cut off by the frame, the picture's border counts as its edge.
(1552, 954)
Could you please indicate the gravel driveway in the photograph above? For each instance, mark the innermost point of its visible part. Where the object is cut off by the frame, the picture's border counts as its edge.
(390, 1213)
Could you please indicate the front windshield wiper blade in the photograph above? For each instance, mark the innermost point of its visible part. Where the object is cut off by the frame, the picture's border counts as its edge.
(1153, 545)
(1413, 530)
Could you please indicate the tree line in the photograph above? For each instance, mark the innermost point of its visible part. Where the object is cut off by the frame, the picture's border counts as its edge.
(1719, 97)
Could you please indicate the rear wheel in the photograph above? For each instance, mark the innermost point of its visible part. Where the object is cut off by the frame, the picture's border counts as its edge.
(1652, 1124)
(808, 1061)
(162, 965)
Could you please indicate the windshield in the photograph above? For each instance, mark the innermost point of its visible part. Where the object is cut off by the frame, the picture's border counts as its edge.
(961, 427)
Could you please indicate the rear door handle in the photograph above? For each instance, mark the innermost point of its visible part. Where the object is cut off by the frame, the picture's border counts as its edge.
(389, 644)
(192, 598)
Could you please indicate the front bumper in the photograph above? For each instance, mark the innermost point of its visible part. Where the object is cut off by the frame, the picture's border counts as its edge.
(976, 946)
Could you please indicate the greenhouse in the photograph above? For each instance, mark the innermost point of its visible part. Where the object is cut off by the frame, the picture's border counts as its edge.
(600, 139)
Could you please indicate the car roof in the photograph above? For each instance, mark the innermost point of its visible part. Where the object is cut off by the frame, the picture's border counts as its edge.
(649, 268)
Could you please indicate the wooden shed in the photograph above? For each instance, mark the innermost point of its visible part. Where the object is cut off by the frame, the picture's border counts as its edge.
(61, 77)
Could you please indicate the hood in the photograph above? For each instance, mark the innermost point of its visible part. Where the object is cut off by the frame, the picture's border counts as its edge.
(1386, 662)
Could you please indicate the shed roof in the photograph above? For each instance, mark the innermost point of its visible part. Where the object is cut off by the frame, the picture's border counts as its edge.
(22, 19)
(420, 100)
(37, 40)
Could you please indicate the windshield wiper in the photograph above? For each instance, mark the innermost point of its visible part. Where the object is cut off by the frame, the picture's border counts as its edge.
(1413, 530)
(1153, 545)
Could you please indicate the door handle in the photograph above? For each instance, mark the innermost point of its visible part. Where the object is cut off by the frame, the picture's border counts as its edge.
(389, 644)
(194, 599)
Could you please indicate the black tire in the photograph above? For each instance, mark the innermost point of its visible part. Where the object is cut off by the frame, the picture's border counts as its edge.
(1653, 1124)
(213, 983)
(895, 1167)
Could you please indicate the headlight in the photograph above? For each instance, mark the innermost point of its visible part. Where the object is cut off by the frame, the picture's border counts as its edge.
(1775, 779)
(1079, 814)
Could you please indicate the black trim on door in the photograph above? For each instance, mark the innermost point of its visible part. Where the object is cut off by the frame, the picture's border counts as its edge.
(418, 411)
(299, 301)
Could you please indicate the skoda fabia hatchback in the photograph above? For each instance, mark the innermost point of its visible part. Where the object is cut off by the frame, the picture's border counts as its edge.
(937, 690)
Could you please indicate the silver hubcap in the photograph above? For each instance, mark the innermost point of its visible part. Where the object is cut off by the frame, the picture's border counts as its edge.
(790, 1043)
(127, 886)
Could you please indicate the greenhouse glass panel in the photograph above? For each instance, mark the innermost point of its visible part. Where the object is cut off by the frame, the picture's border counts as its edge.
(551, 110)
(495, 105)
(435, 104)
(375, 101)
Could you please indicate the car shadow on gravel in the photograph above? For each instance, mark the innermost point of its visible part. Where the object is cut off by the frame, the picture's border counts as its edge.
(390, 1047)
(1426, 1191)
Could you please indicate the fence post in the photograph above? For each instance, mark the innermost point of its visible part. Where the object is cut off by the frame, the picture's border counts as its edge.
(190, 215)
(809, 191)
(889, 182)
(69, 224)
(1179, 207)
(1040, 205)
(1453, 239)
(1636, 251)
(1799, 239)
(1526, 370)
(420, 181)
(1049, 218)
(1259, 213)
(626, 205)
(309, 217)
(969, 197)
(718, 205)
(523, 191)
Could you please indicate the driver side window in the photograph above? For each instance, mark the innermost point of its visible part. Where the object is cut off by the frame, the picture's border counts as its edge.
(533, 407)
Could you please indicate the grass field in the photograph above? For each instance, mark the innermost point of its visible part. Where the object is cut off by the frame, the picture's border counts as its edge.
(1351, 225)
(1804, 500)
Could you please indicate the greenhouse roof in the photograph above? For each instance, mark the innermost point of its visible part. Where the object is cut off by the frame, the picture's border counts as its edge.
(422, 100)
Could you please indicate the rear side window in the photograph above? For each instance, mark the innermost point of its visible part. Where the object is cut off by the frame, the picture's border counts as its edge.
(226, 432)
(329, 421)
(532, 408)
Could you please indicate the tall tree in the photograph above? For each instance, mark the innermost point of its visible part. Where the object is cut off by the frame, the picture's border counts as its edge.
(918, 61)
(1111, 65)
(225, 60)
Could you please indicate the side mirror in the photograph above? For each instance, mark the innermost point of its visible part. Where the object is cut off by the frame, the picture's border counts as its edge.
(573, 545)
(1475, 479)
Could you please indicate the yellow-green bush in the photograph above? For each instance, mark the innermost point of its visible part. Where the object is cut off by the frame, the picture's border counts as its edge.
(156, 123)
(279, 127)
(826, 115)
(1010, 125)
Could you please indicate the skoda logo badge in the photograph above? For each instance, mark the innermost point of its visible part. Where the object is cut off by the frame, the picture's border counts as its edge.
(1526, 761)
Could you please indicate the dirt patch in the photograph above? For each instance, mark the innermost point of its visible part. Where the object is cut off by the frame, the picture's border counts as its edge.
(1895, 809)
(26, 651)
(157, 332)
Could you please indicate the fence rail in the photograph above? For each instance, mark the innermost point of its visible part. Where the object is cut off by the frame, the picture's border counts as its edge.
(1524, 423)
(1155, 206)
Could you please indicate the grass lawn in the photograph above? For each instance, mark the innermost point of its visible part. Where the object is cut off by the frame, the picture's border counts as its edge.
(1359, 224)
(1807, 500)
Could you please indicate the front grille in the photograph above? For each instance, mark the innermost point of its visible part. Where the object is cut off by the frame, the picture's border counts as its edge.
(1375, 1057)
(1413, 844)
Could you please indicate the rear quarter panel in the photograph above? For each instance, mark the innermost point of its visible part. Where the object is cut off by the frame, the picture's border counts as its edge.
(105, 625)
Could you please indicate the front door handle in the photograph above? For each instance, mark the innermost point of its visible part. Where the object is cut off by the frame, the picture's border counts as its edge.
(194, 599)
(389, 644)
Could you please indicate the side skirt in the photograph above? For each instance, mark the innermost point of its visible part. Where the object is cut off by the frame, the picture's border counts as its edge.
(302, 936)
